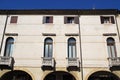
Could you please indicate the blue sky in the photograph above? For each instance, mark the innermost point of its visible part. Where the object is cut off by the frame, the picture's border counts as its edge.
(59, 4)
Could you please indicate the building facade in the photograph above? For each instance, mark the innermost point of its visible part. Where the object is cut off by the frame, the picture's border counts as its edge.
(60, 44)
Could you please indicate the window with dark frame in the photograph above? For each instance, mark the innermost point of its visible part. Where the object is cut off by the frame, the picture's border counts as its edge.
(107, 19)
(71, 20)
(111, 47)
(48, 19)
(48, 47)
(71, 48)
(9, 46)
(14, 19)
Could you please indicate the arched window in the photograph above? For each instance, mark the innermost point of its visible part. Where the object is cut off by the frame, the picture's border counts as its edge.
(48, 47)
(111, 47)
(9, 46)
(71, 48)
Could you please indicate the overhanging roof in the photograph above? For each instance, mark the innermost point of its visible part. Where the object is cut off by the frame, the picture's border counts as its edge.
(61, 12)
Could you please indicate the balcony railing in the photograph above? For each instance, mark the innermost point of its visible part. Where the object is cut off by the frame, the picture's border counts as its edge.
(48, 61)
(114, 61)
(73, 62)
(6, 62)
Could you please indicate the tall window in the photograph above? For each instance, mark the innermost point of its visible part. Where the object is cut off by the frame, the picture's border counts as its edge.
(9, 46)
(111, 47)
(71, 48)
(48, 47)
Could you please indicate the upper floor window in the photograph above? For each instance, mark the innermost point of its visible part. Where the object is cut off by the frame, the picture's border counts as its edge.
(48, 47)
(14, 19)
(107, 19)
(48, 19)
(111, 47)
(9, 46)
(71, 48)
(70, 20)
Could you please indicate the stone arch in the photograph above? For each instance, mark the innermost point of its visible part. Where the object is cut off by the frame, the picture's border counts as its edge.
(59, 75)
(103, 75)
(16, 75)
(25, 70)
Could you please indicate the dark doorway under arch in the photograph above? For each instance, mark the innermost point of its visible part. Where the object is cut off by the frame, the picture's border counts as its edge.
(16, 75)
(59, 75)
(103, 75)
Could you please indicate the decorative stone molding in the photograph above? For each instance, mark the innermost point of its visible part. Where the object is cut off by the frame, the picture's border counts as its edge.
(11, 34)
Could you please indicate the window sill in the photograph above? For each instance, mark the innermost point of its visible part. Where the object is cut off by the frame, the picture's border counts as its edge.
(13, 23)
(70, 23)
(47, 23)
(107, 23)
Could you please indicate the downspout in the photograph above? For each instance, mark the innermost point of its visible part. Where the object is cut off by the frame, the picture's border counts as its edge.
(4, 33)
(117, 27)
(81, 63)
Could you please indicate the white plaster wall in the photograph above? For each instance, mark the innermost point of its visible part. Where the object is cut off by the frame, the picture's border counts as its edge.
(94, 47)
(2, 24)
(118, 24)
(29, 44)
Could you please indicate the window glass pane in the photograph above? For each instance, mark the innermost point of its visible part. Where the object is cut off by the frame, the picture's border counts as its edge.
(48, 47)
(50, 50)
(109, 51)
(111, 47)
(110, 41)
(46, 50)
(71, 48)
(11, 50)
(74, 52)
(107, 19)
(70, 20)
(9, 47)
(47, 19)
(70, 52)
(7, 50)
(113, 51)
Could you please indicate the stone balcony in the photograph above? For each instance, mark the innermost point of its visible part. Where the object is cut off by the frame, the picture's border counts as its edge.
(6, 62)
(48, 63)
(114, 63)
(73, 63)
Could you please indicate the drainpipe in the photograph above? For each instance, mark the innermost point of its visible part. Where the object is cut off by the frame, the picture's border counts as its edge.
(117, 27)
(81, 64)
(4, 33)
